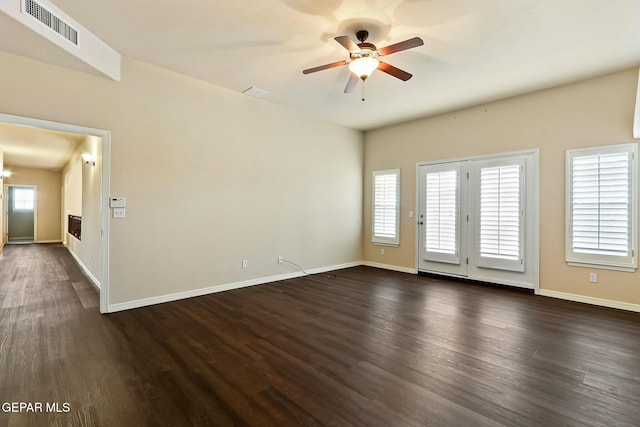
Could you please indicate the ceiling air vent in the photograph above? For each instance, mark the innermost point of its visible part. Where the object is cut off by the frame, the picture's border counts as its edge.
(256, 92)
(43, 15)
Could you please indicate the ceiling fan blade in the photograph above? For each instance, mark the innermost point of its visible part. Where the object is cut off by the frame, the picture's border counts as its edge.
(347, 43)
(324, 67)
(394, 71)
(351, 83)
(397, 47)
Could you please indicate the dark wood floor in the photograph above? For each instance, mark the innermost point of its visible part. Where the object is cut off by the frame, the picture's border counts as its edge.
(360, 347)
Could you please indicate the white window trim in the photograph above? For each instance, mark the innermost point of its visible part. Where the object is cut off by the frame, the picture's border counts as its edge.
(381, 240)
(608, 262)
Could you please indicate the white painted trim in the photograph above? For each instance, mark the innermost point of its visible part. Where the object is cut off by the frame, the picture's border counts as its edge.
(390, 267)
(591, 300)
(636, 116)
(92, 278)
(48, 241)
(600, 266)
(222, 287)
(490, 156)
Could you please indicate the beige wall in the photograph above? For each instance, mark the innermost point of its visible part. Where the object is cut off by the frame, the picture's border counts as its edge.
(211, 176)
(72, 187)
(81, 197)
(48, 199)
(590, 113)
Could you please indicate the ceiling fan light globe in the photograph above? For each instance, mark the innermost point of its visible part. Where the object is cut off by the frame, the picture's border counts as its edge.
(363, 67)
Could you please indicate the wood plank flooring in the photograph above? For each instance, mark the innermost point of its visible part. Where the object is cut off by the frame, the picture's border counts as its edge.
(361, 347)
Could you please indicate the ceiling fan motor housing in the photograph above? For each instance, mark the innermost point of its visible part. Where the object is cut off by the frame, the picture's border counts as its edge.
(367, 50)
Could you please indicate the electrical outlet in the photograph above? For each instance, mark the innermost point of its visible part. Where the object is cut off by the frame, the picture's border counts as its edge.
(593, 277)
(245, 263)
(381, 251)
(280, 259)
(119, 213)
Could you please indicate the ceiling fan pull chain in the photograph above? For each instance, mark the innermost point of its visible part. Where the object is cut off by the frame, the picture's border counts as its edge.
(363, 80)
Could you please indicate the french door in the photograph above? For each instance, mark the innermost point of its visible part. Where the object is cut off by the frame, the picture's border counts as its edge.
(477, 218)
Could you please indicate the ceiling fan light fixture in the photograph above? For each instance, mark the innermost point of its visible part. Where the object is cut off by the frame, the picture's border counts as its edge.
(363, 67)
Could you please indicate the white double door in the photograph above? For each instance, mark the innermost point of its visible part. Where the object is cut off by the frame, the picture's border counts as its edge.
(477, 218)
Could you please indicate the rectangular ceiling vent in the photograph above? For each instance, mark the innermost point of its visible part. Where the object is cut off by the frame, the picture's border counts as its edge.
(256, 92)
(43, 15)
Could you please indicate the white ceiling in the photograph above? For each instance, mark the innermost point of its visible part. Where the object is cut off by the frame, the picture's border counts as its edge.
(475, 50)
(36, 148)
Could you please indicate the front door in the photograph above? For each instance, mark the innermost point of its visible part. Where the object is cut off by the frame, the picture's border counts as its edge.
(21, 214)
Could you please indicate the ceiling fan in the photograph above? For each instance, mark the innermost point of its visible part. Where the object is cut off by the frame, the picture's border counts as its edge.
(363, 59)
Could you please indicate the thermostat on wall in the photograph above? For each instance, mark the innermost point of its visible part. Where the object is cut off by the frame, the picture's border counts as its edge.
(117, 202)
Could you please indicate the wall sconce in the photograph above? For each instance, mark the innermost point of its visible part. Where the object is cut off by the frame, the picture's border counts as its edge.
(88, 159)
(5, 174)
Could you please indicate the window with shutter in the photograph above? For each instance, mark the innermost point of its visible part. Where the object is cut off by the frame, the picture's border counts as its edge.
(441, 212)
(386, 201)
(601, 206)
(500, 223)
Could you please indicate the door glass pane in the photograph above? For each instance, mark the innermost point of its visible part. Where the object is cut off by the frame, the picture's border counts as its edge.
(441, 214)
(500, 212)
(23, 199)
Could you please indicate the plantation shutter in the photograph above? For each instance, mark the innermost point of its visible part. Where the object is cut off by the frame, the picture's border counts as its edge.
(386, 198)
(442, 216)
(600, 204)
(501, 212)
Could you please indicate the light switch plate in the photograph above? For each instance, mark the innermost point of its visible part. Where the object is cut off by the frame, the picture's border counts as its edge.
(117, 202)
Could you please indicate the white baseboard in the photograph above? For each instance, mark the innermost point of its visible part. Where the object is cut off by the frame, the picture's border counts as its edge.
(221, 288)
(48, 241)
(128, 305)
(390, 267)
(590, 300)
(94, 280)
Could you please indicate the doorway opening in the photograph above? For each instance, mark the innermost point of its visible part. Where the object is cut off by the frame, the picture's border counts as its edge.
(91, 247)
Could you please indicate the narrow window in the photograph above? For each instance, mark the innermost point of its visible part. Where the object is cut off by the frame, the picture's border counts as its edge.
(386, 201)
(601, 206)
